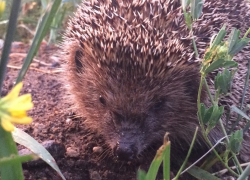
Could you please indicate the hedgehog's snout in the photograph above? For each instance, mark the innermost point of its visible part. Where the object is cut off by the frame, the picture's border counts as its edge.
(125, 151)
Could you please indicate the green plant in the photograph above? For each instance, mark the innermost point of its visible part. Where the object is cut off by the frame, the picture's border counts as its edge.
(13, 108)
(218, 56)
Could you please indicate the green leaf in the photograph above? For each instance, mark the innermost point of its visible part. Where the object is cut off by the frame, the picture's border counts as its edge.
(219, 37)
(233, 38)
(239, 46)
(196, 8)
(201, 174)
(208, 114)
(29, 142)
(214, 65)
(223, 81)
(216, 81)
(228, 64)
(214, 119)
(218, 64)
(162, 153)
(40, 33)
(8, 40)
(141, 175)
(235, 141)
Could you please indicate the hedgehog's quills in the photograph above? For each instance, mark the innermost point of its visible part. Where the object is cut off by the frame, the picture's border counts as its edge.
(132, 71)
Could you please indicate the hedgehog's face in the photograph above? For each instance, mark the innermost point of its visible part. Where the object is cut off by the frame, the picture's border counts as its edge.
(133, 111)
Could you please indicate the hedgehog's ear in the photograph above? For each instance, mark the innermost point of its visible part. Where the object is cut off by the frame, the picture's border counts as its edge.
(78, 60)
(192, 82)
(74, 55)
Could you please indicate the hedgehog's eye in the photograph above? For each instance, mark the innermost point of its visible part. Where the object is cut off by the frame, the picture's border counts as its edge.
(102, 100)
(159, 104)
(118, 118)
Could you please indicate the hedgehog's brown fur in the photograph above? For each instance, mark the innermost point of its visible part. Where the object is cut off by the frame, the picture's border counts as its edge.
(138, 56)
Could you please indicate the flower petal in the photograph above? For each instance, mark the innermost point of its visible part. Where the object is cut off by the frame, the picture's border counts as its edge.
(2, 6)
(24, 120)
(7, 125)
(22, 103)
(13, 93)
(18, 114)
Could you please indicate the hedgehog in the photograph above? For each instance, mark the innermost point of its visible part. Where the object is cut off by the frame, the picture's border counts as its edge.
(131, 69)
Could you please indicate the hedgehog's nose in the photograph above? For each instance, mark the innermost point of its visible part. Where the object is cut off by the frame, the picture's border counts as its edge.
(125, 151)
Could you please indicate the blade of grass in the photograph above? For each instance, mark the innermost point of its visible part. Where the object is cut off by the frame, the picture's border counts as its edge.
(154, 167)
(8, 40)
(243, 97)
(12, 171)
(245, 173)
(141, 175)
(41, 32)
(166, 159)
(29, 142)
(201, 174)
(57, 22)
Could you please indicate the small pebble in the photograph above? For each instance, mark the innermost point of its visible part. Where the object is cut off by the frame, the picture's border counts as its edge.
(68, 121)
(97, 149)
(72, 152)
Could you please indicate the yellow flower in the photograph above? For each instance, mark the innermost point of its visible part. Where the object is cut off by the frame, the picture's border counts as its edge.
(2, 7)
(13, 108)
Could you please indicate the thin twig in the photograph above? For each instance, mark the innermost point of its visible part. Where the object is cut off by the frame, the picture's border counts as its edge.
(219, 141)
(223, 171)
(25, 54)
(39, 70)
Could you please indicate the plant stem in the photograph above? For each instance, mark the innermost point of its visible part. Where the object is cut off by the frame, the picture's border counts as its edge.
(248, 31)
(203, 129)
(221, 160)
(8, 148)
(227, 139)
(189, 152)
(199, 104)
(209, 93)
(195, 48)
(221, 124)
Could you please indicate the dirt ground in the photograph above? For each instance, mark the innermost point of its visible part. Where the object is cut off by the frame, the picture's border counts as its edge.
(79, 153)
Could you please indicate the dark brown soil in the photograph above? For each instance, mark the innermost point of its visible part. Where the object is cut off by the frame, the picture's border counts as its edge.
(85, 158)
